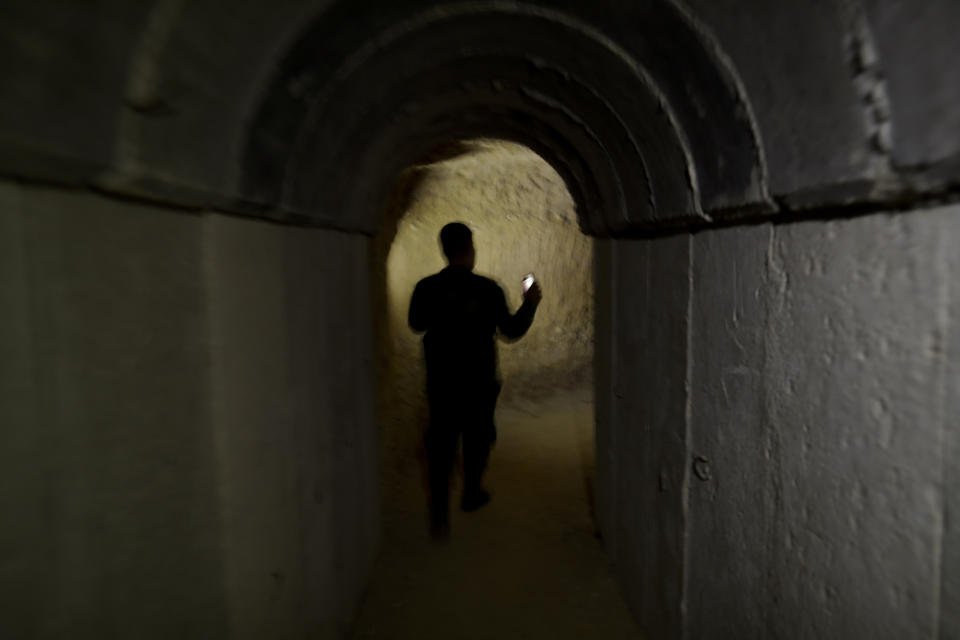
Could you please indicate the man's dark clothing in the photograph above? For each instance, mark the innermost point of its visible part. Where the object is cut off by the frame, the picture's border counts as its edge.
(461, 312)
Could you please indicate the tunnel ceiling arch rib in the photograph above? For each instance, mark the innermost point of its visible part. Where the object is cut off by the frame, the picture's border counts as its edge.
(620, 112)
(702, 106)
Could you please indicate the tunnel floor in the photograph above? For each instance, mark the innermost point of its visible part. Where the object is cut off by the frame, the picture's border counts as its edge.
(526, 566)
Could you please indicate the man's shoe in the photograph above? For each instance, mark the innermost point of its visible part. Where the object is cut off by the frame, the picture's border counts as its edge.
(474, 500)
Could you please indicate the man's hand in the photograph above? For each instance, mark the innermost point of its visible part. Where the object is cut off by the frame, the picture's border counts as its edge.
(533, 294)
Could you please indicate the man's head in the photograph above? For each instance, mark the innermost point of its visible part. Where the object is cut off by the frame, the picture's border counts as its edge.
(457, 242)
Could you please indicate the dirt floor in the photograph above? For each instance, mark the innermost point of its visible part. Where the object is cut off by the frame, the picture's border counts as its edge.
(528, 565)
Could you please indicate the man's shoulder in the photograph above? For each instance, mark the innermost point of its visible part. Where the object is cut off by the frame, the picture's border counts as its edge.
(430, 280)
(446, 278)
(486, 282)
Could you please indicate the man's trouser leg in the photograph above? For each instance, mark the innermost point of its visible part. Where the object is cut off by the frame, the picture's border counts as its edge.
(441, 446)
(476, 453)
(478, 436)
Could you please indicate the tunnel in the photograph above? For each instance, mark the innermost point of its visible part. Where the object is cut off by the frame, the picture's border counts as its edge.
(521, 216)
(531, 564)
(198, 202)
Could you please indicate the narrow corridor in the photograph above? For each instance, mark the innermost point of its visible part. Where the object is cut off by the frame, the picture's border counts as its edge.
(526, 566)
(745, 223)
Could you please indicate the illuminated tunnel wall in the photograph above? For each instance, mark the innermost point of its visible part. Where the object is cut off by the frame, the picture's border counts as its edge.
(523, 220)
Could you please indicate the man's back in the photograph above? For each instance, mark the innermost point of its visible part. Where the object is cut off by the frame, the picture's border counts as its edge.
(460, 312)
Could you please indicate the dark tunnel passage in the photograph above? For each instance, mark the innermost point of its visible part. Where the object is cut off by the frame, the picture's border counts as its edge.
(529, 564)
(196, 202)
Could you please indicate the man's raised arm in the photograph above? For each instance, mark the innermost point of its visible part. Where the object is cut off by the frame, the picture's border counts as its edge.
(515, 325)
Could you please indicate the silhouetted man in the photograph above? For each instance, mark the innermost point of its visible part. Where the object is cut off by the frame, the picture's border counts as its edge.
(460, 313)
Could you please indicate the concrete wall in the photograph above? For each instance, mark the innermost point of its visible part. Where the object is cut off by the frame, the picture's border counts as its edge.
(187, 443)
(641, 432)
(776, 430)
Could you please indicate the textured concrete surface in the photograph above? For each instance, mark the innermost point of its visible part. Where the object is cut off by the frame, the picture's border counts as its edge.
(65, 65)
(179, 456)
(293, 424)
(912, 43)
(647, 443)
(796, 72)
(109, 480)
(732, 497)
(950, 408)
(854, 384)
(604, 362)
(817, 445)
(816, 402)
(526, 566)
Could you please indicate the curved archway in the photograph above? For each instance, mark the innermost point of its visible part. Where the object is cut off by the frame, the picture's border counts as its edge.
(636, 108)
(620, 115)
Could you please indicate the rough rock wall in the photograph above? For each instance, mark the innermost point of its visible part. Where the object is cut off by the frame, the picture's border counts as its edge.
(523, 220)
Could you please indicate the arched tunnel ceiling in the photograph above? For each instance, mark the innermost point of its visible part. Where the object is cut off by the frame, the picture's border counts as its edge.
(418, 72)
(705, 110)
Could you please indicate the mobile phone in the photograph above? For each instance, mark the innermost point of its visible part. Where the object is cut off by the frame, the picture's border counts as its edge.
(528, 281)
